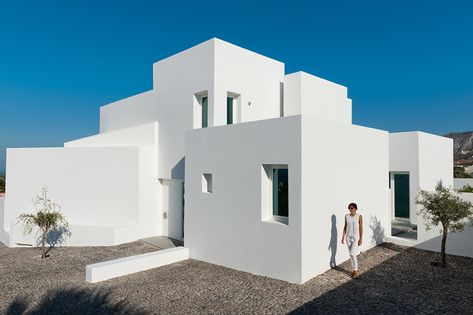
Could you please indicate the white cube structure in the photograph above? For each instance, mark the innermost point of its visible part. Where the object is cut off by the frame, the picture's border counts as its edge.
(251, 167)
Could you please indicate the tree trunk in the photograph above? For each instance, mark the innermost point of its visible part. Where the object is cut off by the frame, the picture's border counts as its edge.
(43, 248)
(444, 241)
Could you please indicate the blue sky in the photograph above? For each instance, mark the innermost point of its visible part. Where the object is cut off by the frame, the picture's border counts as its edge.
(408, 65)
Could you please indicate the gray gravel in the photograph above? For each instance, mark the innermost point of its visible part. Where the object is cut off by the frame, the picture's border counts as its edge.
(394, 280)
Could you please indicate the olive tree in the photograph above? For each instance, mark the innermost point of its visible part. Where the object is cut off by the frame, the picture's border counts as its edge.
(444, 207)
(47, 216)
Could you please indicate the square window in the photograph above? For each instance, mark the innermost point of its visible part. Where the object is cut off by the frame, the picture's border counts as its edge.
(207, 183)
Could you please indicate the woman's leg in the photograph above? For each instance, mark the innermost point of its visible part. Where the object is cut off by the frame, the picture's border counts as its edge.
(353, 249)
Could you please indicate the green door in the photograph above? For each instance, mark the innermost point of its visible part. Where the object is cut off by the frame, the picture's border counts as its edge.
(401, 196)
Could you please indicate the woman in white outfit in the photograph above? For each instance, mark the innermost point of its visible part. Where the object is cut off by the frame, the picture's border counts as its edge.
(353, 232)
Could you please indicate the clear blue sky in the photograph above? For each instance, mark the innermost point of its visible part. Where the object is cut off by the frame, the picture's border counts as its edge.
(408, 64)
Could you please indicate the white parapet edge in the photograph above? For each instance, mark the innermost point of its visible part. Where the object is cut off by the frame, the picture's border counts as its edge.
(132, 264)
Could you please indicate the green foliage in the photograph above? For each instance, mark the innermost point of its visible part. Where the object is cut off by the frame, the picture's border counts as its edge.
(2, 183)
(459, 172)
(442, 206)
(47, 216)
(466, 189)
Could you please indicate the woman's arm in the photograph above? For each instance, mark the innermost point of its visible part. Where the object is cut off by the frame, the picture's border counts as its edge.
(360, 223)
(344, 231)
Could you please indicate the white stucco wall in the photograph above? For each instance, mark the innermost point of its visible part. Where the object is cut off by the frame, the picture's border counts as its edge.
(334, 175)
(308, 95)
(226, 227)
(98, 188)
(133, 111)
(404, 157)
(143, 135)
(254, 77)
(428, 158)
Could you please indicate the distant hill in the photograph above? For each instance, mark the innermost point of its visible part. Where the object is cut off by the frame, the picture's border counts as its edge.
(462, 147)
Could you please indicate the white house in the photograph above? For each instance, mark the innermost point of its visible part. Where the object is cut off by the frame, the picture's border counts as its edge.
(251, 167)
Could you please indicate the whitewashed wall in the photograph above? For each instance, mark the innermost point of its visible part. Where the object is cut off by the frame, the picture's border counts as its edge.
(254, 77)
(334, 175)
(98, 188)
(133, 111)
(308, 95)
(404, 157)
(225, 227)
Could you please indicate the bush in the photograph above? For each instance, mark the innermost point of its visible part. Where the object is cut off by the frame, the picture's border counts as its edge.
(2, 183)
(466, 189)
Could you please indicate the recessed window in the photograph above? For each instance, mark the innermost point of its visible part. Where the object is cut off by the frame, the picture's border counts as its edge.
(275, 193)
(233, 108)
(229, 110)
(201, 110)
(207, 183)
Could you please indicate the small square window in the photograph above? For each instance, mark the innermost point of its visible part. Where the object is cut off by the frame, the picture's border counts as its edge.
(207, 183)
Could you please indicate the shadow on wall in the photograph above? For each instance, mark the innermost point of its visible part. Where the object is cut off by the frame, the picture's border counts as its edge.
(178, 171)
(57, 236)
(378, 231)
(74, 301)
(404, 283)
(332, 246)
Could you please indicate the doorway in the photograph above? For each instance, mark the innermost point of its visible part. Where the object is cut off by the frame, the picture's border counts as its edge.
(173, 208)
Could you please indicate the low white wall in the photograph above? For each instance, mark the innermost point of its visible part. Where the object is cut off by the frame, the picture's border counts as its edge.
(226, 227)
(341, 163)
(99, 189)
(128, 265)
(459, 183)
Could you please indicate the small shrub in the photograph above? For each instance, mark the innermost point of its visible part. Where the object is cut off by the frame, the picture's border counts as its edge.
(466, 189)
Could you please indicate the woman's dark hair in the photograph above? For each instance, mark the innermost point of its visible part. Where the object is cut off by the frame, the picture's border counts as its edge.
(353, 205)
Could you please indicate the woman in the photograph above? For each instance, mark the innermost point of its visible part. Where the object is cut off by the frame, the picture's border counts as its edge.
(353, 231)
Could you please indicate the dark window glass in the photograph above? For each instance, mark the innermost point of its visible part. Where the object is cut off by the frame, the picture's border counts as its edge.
(205, 109)
(280, 192)
(229, 110)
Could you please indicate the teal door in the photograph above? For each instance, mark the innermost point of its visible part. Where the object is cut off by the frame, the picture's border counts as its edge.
(401, 196)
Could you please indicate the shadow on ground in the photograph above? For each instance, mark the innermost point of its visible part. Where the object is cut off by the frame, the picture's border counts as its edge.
(73, 301)
(405, 283)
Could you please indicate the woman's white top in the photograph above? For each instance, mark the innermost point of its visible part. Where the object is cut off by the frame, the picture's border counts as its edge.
(353, 227)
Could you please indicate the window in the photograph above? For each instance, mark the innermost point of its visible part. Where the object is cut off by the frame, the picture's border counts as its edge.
(229, 110)
(207, 183)
(233, 108)
(201, 110)
(280, 192)
(275, 193)
(205, 111)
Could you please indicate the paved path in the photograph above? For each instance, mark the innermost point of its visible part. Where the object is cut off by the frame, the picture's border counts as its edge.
(393, 281)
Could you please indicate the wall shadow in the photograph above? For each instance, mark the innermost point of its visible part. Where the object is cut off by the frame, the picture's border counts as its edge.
(378, 231)
(178, 171)
(333, 245)
(74, 301)
(405, 283)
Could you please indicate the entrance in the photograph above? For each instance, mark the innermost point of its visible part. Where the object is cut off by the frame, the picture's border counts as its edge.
(173, 208)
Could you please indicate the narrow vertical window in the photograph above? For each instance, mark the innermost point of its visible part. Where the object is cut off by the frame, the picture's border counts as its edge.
(229, 110)
(280, 193)
(207, 183)
(205, 109)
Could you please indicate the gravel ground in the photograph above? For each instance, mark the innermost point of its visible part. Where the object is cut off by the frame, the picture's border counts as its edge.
(394, 280)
